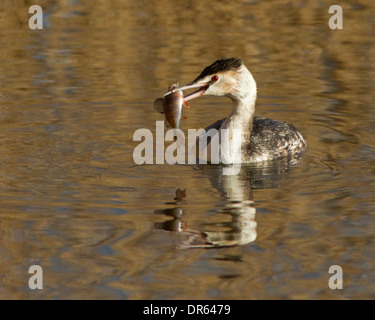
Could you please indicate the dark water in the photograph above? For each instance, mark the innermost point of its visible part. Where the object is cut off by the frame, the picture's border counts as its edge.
(74, 202)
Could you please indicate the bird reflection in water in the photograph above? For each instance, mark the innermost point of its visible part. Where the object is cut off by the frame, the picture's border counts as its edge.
(175, 224)
(239, 206)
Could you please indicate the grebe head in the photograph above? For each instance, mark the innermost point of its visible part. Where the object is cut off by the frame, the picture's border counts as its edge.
(225, 77)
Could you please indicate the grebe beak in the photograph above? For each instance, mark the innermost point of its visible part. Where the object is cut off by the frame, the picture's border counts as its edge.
(203, 86)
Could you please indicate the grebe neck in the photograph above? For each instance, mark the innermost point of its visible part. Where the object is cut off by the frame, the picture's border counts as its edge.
(243, 111)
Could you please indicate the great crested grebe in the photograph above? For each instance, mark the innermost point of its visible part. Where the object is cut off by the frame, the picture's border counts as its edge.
(263, 139)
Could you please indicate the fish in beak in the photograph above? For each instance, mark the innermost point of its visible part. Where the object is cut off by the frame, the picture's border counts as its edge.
(171, 105)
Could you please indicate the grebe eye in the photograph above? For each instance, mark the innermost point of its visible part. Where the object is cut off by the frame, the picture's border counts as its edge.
(214, 78)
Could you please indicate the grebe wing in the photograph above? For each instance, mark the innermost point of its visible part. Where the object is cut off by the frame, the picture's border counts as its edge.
(274, 139)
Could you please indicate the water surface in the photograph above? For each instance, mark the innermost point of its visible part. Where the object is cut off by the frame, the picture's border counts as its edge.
(74, 202)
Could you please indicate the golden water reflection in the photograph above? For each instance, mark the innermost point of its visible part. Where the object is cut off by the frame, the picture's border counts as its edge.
(73, 200)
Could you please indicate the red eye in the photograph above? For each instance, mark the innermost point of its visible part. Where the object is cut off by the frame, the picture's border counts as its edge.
(214, 78)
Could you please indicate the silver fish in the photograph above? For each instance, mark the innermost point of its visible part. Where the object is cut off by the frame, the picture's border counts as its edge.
(171, 105)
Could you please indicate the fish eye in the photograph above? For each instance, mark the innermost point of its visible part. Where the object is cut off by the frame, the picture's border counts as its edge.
(214, 78)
